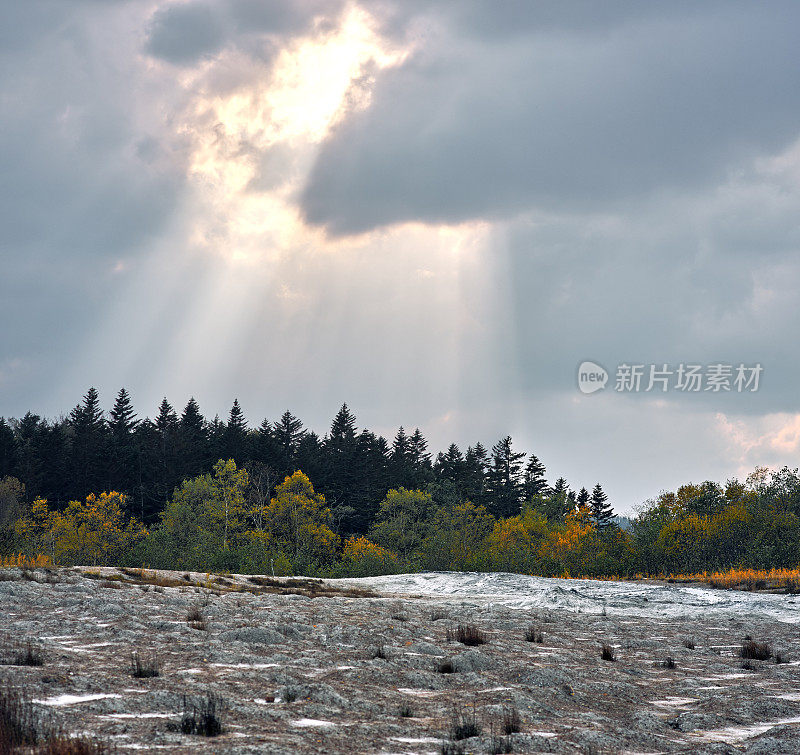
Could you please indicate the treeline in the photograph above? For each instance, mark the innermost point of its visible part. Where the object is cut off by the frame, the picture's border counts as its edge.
(230, 521)
(90, 451)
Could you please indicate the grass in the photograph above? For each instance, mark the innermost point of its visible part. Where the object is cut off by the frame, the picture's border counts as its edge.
(446, 667)
(19, 560)
(203, 717)
(533, 634)
(745, 579)
(379, 652)
(607, 652)
(20, 725)
(23, 730)
(16, 655)
(289, 694)
(195, 619)
(145, 667)
(467, 634)
(406, 711)
(512, 722)
(669, 662)
(757, 651)
(464, 724)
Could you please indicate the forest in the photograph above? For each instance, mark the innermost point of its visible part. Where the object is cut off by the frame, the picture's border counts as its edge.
(183, 492)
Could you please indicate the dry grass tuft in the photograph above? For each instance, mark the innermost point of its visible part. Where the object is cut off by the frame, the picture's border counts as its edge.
(195, 619)
(757, 651)
(467, 634)
(607, 652)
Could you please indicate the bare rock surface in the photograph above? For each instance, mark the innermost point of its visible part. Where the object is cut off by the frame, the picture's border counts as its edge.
(376, 666)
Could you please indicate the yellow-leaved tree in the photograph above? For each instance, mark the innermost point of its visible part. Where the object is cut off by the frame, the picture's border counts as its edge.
(95, 531)
(297, 521)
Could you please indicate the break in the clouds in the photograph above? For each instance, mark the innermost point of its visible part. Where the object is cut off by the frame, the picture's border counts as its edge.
(432, 210)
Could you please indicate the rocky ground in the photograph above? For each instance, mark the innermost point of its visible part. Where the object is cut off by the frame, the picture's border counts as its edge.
(296, 666)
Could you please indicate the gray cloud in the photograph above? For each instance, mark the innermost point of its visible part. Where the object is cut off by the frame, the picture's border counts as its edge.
(187, 32)
(562, 119)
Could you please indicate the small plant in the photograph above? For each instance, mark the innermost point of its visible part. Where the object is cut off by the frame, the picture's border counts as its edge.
(195, 618)
(512, 722)
(668, 662)
(452, 748)
(289, 694)
(500, 745)
(467, 634)
(203, 717)
(533, 634)
(406, 711)
(379, 652)
(64, 744)
(144, 667)
(688, 643)
(607, 652)
(757, 651)
(19, 723)
(464, 724)
(22, 656)
(446, 667)
(780, 658)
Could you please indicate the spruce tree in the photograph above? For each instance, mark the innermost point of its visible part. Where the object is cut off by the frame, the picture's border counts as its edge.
(288, 431)
(450, 466)
(167, 429)
(8, 450)
(343, 473)
(235, 440)
(122, 423)
(505, 479)
(535, 483)
(419, 460)
(583, 508)
(476, 466)
(193, 436)
(88, 458)
(602, 513)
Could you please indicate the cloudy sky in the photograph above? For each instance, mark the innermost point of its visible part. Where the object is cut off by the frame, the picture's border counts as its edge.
(431, 210)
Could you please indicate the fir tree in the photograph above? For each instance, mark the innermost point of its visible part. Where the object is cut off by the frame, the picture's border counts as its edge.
(193, 439)
(602, 513)
(8, 450)
(167, 429)
(476, 466)
(89, 446)
(582, 505)
(505, 479)
(235, 440)
(535, 483)
(450, 466)
(288, 432)
(122, 423)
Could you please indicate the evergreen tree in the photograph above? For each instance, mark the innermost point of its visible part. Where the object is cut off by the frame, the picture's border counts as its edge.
(535, 483)
(8, 450)
(476, 467)
(89, 446)
(193, 436)
(450, 466)
(556, 503)
(216, 439)
(400, 461)
(504, 479)
(419, 460)
(235, 440)
(344, 474)
(122, 423)
(167, 428)
(582, 504)
(265, 446)
(288, 432)
(602, 513)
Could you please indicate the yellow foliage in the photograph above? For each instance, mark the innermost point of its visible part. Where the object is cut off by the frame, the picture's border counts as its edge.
(91, 531)
(364, 558)
(38, 560)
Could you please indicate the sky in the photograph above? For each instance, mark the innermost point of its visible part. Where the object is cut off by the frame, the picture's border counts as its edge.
(433, 211)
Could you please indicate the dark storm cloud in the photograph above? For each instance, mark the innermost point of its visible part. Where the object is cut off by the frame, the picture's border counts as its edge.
(557, 113)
